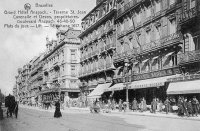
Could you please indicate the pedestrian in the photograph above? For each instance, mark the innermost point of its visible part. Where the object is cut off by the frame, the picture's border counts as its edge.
(1, 111)
(134, 105)
(16, 109)
(195, 105)
(185, 107)
(120, 105)
(167, 105)
(189, 107)
(160, 106)
(153, 105)
(57, 112)
(144, 104)
(180, 107)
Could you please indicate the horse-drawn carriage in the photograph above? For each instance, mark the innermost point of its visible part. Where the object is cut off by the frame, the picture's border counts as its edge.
(10, 104)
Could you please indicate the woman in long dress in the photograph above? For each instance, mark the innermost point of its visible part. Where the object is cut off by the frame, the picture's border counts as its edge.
(57, 112)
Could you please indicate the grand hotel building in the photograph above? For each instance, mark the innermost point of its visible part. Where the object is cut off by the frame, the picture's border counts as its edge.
(141, 48)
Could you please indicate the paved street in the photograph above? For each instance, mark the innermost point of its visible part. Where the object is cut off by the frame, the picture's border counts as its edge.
(32, 120)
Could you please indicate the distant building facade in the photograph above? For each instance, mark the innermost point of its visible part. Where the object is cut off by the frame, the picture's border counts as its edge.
(61, 62)
(53, 70)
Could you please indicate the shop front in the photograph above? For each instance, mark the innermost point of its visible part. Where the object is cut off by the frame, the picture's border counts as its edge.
(187, 86)
(149, 89)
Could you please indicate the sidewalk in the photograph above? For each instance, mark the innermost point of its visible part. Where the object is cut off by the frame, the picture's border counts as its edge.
(147, 113)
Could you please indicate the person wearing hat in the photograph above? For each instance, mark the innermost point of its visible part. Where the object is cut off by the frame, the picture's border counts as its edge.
(167, 105)
(153, 105)
(57, 112)
(134, 104)
(1, 111)
(16, 109)
(195, 103)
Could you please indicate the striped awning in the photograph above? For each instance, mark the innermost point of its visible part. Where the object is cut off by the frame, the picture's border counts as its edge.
(99, 90)
(116, 87)
(154, 82)
(184, 87)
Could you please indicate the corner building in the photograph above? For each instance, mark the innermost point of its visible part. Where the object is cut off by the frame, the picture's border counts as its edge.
(61, 65)
(98, 43)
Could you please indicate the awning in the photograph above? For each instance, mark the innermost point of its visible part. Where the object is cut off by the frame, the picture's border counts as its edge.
(186, 87)
(154, 58)
(144, 61)
(155, 82)
(99, 90)
(169, 54)
(116, 87)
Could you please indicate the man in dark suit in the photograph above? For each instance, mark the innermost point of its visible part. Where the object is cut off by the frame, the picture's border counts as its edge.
(195, 103)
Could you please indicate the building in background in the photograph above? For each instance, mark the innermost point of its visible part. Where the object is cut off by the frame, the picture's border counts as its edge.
(61, 63)
(51, 72)
(98, 43)
(35, 79)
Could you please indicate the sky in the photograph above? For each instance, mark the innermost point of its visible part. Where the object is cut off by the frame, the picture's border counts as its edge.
(19, 46)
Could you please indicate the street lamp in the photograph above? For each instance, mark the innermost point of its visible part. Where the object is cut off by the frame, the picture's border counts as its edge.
(59, 89)
(126, 64)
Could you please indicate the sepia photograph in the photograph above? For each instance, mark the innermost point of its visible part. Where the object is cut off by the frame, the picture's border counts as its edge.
(100, 65)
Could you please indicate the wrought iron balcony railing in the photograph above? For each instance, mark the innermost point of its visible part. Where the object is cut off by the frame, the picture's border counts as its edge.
(127, 7)
(189, 57)
(187, 15)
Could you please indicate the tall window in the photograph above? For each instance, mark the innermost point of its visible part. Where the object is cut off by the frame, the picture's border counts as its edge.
(122, 26)
(138, 17)
(192, 4)
(73, 55)
(171, 2)
(196, 40)
(172, 26)
(148, 36)
(157, 32)
(148, 11)
(73, 70)
(157, 5)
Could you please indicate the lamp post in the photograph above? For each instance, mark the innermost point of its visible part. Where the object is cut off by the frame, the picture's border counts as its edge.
(126, 64)
(86, 93)
(59, 89)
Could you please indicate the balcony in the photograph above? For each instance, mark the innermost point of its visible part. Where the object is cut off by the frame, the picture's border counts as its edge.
(163, 42)
(102, 49)
(188, 16)
(121, 34)
(147, 20)
(109, 65)
(98, 22)
(157, 15)
(73, 61)
(171, 39)
(110, 28)
(123, 55)
(93, 53)
(151, 45)
(127, 7)
(172, 7)
(89, 55)
(189, 57)
(73, 75)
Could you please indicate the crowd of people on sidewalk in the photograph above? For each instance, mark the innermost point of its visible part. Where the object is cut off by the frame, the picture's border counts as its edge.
(181, 107)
